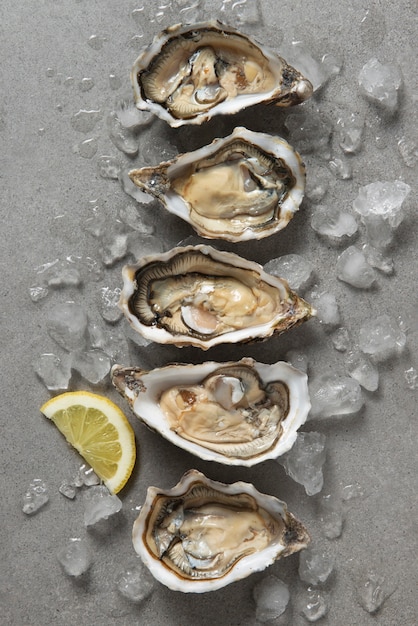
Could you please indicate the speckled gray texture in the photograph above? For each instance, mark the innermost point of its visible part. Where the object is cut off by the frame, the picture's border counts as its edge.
(46, 190)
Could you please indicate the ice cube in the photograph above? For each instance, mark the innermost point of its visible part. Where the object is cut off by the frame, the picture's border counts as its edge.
(310, 132)
(95, 223)
(333, 224)
(155, 149)
(112, 342)
(108, 304)
(341, 168)
(333, 395)
(298, 359)
(317, 184)
(326, 307)
(332, 518)
(129, 116)
(99, 504)
(382, 199)
(114, 244)
(134, 219)
(381, 338)
(67, 324)
(271, 596)
(381, 83)
(292, 267)
(372, 592)
(341, 339)
(350, 126)
(54, 371)
(75, 557)
(376, 258)
(411, 377)
(123, 138)
(314, 604)
(88, 476)
(304, 461)
(362, 370)
(352, 268)
(67, 489)
(315, 566)
(38, 292)
(408, 149)
(93, 365)
(140, 245)
(135, 583)
(36, 496)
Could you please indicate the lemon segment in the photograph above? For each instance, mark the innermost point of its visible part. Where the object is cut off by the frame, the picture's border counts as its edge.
(99, 431)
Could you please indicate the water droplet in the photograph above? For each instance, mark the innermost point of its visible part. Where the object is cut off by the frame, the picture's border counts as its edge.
(135, 41)
(86, 84)
(114, 82)
(84, 121)
(87, 149)
(138, 17)
(50, 72)
(96, 41)
(69, 81)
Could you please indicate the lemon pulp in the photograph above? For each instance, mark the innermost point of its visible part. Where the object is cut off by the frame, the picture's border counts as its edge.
(99, 431)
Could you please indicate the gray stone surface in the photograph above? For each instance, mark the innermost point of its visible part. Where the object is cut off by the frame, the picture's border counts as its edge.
(59, 58)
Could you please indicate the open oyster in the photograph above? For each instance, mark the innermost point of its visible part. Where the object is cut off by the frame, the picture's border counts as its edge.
(236, 413)
(190, 73)
(245, 186)
(200, 296)
(202, 535)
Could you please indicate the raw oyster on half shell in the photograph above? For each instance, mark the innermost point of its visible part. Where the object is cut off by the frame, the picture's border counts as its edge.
(236, 413)
(245, 186)
(190, 73)
(202, 535)
(200, 296)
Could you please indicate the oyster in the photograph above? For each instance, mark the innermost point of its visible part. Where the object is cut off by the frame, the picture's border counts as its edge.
(202, 535)
(190, 73)
(245, 186)
(200, 296)
(236, 413)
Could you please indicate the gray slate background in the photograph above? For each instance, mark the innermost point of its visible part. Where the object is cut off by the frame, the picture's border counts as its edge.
(44, 177)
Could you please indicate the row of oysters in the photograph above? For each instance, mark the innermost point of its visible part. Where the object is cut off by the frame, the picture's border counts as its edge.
(202, 535)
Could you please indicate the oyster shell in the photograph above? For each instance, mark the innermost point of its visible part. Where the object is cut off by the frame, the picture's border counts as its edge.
(236, 413)
(202, 535)
(245, 186)
(190, 73)
(200, 296)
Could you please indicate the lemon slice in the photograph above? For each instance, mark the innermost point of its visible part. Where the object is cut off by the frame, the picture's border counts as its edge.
(98, 429)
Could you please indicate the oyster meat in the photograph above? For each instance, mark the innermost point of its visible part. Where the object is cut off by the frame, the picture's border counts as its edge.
(200, 296)
(236, 413)
(245, 186)
(191, 72)
(202, 535)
